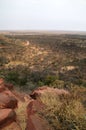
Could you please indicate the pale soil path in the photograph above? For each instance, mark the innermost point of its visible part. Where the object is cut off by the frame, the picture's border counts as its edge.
(22, 114)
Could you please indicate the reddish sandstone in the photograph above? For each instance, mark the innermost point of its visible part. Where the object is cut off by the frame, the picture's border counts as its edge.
(1, 81)
(7, 101)
(9, 86)
(6, 117)
(35, 121)
(2, 88)
(12, 126)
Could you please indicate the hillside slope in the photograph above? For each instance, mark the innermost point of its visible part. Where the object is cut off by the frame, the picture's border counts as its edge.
(49, 75)
(61, 57)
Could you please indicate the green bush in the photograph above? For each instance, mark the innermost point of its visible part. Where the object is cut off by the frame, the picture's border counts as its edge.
(12, 77)
(16, 78)
(50, 79)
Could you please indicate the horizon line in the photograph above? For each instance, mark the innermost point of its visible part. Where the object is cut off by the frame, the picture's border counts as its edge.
(51, 30)
(34, 32)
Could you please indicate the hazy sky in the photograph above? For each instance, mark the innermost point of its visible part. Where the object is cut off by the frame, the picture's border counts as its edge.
(43, 15)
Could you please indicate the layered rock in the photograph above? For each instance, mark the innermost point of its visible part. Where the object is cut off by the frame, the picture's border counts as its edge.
(9, 86)
(13, 126)
(2, 87)
(1, 81)
(6, 116)
(35, 121)
(7, 101)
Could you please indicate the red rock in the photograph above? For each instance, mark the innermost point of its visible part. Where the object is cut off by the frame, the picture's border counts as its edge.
(14, 94)
(9, 86)
(1, 81)
(7, 101)
(34, 106)
(35, 121)
(6, 117)
(12, 126)
(6, 85)
(2, 88)
(44, 90)
(8, 92)
(18, 96)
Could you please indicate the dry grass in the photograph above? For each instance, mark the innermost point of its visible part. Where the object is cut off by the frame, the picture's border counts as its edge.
(21, 114)
(64, 113)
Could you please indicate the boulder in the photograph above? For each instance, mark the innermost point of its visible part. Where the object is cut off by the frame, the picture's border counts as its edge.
(6, 117)
(7, 101)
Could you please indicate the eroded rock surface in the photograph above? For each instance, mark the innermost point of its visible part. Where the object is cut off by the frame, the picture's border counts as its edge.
(35, 121)
(20, 111)
(7, 101)
(13, 126)
(6, 116)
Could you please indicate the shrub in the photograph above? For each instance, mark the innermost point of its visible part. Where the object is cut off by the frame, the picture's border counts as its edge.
(50, 79)
(16, 78)
(65, 113)
(12, 77)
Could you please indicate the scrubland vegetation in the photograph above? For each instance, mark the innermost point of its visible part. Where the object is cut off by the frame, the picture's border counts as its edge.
(58, 61)
(64, 113)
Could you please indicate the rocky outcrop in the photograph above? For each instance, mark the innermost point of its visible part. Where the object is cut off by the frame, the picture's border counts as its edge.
(13, 126)
(35, 121)
(1, 81)
(9, 86)
(44, 90)
(6, 116)
(22, 111)
(4, 86)
(7, 101)
(12, 107)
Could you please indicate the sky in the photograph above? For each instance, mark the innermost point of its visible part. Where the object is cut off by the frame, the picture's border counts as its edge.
(67, 15)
